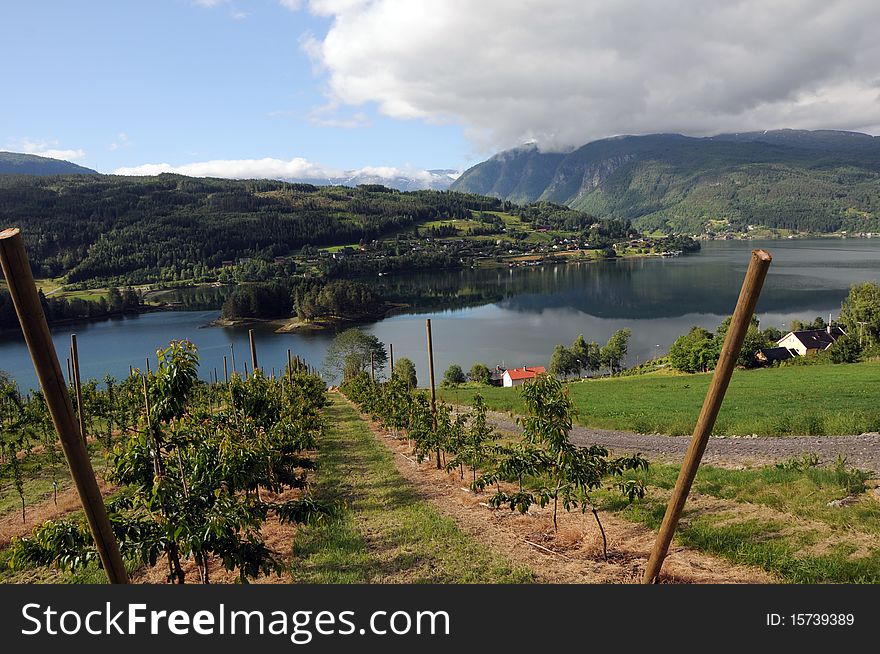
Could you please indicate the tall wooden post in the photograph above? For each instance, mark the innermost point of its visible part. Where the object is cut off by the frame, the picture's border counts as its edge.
(225, 370)
(69, 373)
(245, 370)
(19, 278)
(431, 377)
(391, 355)
(253, 350)
(77, 387)
(742, 316)
(232, 347)
(289, 364)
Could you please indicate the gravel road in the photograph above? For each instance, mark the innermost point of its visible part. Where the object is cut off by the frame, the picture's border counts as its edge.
(861, 451)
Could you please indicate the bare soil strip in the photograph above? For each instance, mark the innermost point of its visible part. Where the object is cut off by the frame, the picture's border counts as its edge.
(11, 524)
(574, 554)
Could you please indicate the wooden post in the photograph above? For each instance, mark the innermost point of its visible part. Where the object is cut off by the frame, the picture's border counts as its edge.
(253, 350)
(77, 387)
(391, 354)
(232, 346)
(431, 376)
(245, 370)
(289, 364)
(19, 278)
(742, 316)
(225, 370)
(372, 369)
(216, 379)
(69, 373)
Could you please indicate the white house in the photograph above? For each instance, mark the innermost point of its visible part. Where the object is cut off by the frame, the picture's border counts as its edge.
(811, 341)
(519, 376)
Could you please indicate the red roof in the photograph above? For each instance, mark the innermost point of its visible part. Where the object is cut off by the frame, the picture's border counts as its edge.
(526, 373)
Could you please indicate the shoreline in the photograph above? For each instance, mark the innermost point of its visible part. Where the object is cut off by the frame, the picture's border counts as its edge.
(292, 324)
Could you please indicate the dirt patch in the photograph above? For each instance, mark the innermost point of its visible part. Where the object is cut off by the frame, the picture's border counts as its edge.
(278, 537)
(11, 524)
(571, 555)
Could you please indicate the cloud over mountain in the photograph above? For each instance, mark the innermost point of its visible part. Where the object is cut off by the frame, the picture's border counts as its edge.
(567, 72)
(301, 170)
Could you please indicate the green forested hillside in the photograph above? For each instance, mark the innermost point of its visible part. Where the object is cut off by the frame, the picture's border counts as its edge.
(821, 181)
(16, 163)
(141, 229)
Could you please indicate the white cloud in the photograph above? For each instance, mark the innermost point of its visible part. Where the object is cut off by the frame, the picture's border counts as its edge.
(47, 149)
(297, 168)
(293, 5)
(238, 169)
(121, 141)
(328, 116)
(566, 72)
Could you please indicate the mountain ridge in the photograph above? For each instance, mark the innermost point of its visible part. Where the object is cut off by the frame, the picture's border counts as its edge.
(19, 163)
(798, 180)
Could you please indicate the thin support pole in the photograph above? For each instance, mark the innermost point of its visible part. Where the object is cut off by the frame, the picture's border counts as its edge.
(20, 280)
(431, 376)
(372, 369)
(253, 350)
(742, 316)
(232, 347)
(391, 354)
(225, 369)
(289, 363)
(77, 387)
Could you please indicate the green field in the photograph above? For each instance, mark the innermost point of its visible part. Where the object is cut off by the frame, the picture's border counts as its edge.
(776, 518)
(797, 400)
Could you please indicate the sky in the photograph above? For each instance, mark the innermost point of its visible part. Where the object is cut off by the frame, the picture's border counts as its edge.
(309, 88)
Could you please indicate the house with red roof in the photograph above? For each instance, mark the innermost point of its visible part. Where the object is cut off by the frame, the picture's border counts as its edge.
(519, 376)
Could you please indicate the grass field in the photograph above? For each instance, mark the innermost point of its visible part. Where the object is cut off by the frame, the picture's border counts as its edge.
(797, 400)
(775, 518)
(386, 533)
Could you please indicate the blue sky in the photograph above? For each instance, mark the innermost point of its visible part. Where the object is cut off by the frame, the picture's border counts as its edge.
(121, 84)
(309, 87)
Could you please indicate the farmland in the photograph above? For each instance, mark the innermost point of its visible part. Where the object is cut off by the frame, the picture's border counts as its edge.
(782, 401)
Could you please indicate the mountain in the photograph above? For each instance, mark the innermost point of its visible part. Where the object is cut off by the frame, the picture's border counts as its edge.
(433, 180)
(16, 163)
(818, 181)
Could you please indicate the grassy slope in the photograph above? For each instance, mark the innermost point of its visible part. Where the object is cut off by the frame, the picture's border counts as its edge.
(773, 518)
(813, 400)
(386, 533)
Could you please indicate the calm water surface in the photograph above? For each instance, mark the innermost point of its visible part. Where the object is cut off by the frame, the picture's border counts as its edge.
(512, 316)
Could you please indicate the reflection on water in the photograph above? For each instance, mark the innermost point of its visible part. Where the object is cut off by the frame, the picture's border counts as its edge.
(510, 316)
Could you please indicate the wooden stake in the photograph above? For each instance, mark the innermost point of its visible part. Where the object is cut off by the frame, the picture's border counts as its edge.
(69, 373)
(253, 350)
(431, 376)
(372, 369)
(20, 280)
(289, 364)
(77, 387)
(742, 316)
(225, 370)
(232, 346)
(391, 352)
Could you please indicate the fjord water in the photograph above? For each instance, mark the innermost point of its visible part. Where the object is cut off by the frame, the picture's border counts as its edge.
(511, 316)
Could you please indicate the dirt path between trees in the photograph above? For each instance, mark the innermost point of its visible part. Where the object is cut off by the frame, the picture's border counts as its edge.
(574, 553)
(861, 451)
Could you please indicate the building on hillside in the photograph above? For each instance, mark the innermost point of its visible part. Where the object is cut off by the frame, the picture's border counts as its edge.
(519, 376)
(770, 355)
(811, 341)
